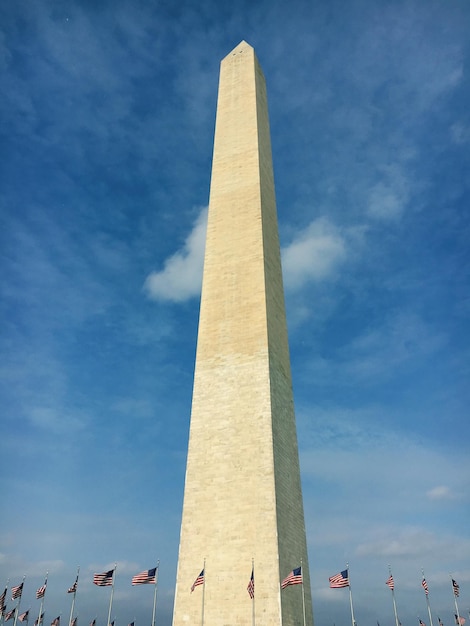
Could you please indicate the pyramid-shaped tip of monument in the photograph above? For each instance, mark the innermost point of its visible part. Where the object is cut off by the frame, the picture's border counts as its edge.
(243, 45)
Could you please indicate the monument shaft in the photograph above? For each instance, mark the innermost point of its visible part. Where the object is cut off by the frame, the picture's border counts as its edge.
(242, 498)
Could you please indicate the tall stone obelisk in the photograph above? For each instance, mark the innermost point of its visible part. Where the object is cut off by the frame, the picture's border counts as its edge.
(242, 498)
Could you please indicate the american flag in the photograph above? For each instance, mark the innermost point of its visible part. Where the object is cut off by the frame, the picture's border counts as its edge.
(199, 581)
(24, 616)
(93, 622)
(294, 578)
(39, 619)
(73, 588)
(74, 621)
(105, 579)
(456, 588)
(390, 582)
(2, 599)
(145, 577)
(9, 615)
(460, 621)
(251, 585)
(16, 591)
(56, 621)
(41, 591)
(339, 580)
(425, 586)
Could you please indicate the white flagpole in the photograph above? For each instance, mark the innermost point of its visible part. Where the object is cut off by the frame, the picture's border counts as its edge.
(42, 600)
(154, 595)
(19, 600)
(111, 599)
(455, 601)
(303, 590)
(203, 592)
(393, 597)
(73, 599)
(427, 601)
(254, 593)
(353, 621)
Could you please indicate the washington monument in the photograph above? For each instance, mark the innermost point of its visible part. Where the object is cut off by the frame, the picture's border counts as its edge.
(243, 510)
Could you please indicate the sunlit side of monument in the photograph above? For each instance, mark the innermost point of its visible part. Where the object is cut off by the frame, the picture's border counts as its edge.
(243, 508)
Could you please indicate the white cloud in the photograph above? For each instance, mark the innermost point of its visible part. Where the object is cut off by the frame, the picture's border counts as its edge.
(440, 493)
(410, 542)
(313, 255)
(389, 197)
(400, 339)
(181, 276)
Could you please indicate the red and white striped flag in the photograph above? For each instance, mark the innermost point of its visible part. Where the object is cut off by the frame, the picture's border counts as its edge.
(2, 599)
(390, 582)
(199, 581)
(42, 590)
(339, 580)
(251, 585)
(293, 578)
(39, 620)
(105, 579)
(73, 588)
(16, 591)
(147, 577)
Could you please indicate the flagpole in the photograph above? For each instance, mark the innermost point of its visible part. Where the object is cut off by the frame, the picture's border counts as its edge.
(427, 601)
(19, 600)
(73, 599)
(203, 593)
(111, 599)
(455, 599)
(4, 598)
(393, 597)
(154, 595)
(254, 594)
(350, 596)
(42, 600)
(303, 590)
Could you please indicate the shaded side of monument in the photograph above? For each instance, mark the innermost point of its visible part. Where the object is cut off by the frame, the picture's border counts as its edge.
(243, 503)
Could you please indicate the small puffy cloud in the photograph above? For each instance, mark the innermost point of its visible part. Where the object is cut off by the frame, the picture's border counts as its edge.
(180, 279)
(313, 255)
(440, 493)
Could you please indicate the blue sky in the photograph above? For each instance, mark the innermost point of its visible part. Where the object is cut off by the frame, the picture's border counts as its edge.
(107, 119)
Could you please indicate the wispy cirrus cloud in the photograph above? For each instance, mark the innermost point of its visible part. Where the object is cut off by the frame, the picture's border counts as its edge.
(389, 197)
